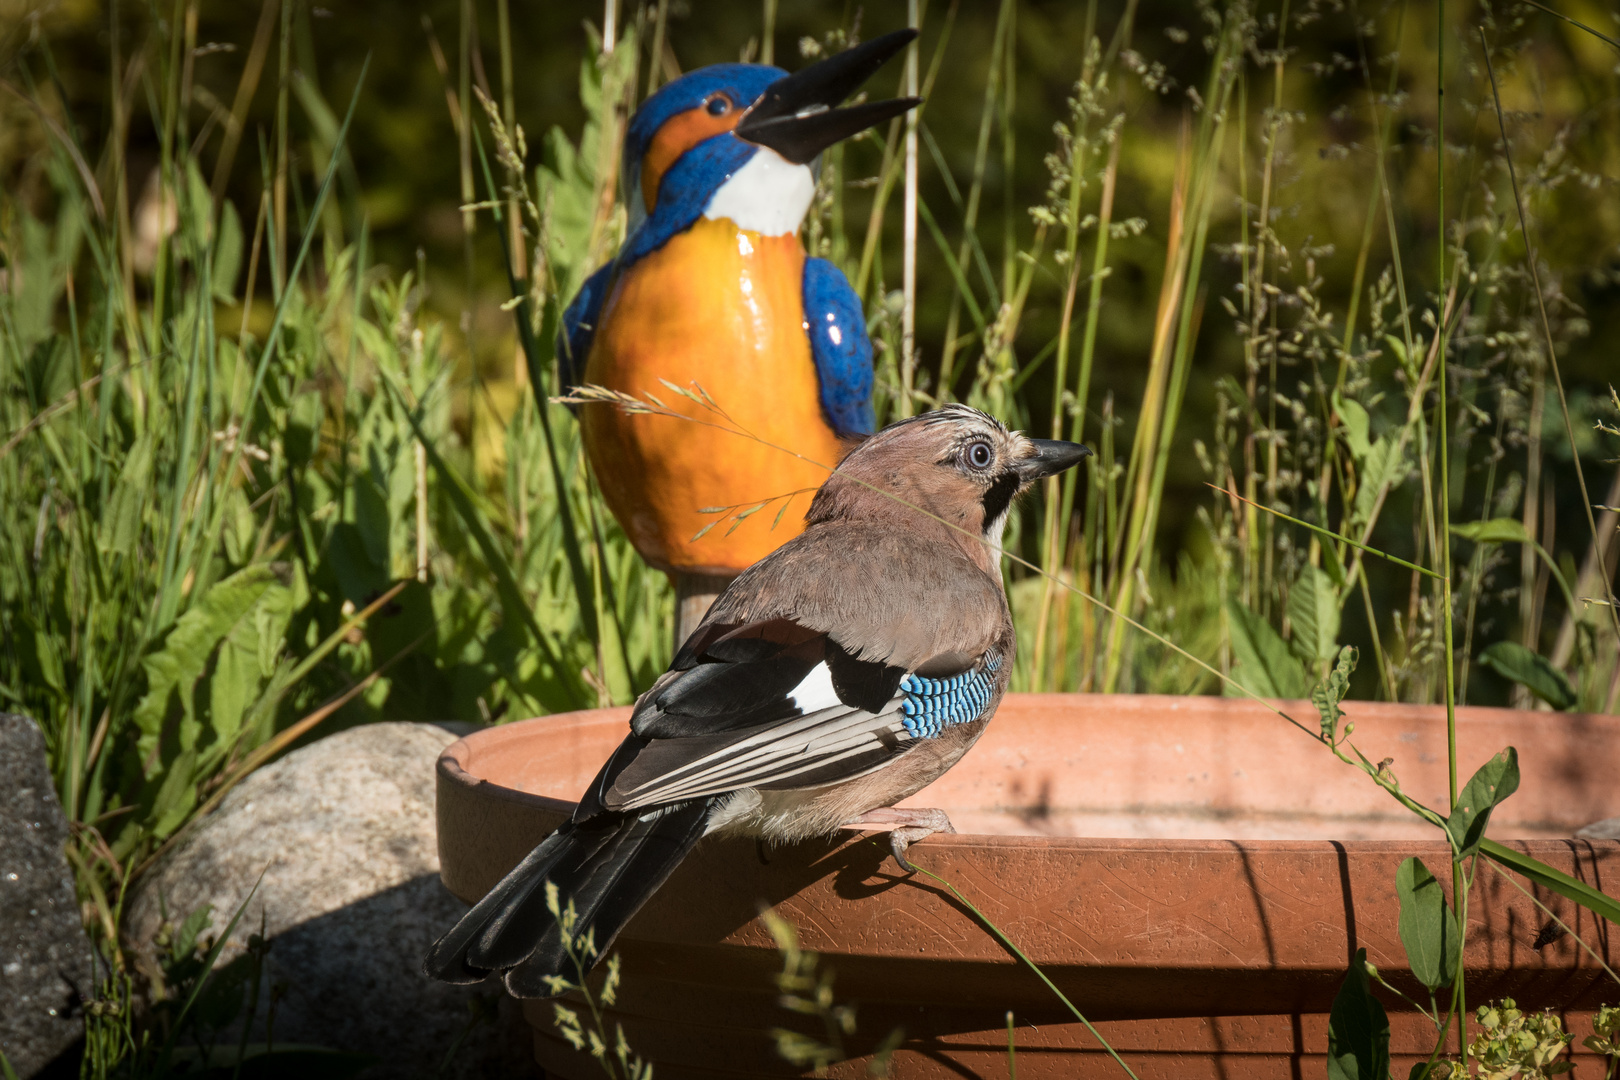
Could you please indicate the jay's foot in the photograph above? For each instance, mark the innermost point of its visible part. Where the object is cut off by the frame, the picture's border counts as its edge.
(904, 826)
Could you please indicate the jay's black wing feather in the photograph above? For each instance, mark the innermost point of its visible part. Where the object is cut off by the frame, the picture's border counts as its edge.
(733, 677)
(771, 705)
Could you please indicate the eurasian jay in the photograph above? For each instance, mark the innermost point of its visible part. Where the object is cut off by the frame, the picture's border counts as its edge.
(832, 679)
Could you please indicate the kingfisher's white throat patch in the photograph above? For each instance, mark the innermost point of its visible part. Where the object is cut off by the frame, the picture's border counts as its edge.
(770, 195)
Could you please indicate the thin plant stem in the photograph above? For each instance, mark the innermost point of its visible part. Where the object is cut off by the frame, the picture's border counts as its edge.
(908, 310)
(1033, 966)
(1459, 883)
(970, 215)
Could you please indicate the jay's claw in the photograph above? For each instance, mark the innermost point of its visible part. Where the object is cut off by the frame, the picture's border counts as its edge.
(905, 827)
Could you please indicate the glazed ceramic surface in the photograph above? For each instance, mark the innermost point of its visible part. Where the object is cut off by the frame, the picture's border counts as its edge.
(1192, 872)
(737, 329)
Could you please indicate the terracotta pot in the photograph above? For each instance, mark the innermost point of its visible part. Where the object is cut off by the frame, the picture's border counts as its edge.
(1193, 873)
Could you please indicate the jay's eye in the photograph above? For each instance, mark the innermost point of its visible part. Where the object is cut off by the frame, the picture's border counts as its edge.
(979, 455)
(718, 105)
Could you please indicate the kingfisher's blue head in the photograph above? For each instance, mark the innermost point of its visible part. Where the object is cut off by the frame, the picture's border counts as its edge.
(689, 144)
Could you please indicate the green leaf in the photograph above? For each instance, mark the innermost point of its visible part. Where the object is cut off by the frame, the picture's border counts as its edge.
(120, 524)
(1313, 608)
(226, 611)
(168, 807)
(1495, 781)
(227, 254)
(1327, 694)
(1593, 900)
(1508, 531)
(1264, 664)
(1494, 531)
(1383, 466)
(1427, 926)
(1331, 564)
(1358, 1029)
(1533, 671)
(1353, 418)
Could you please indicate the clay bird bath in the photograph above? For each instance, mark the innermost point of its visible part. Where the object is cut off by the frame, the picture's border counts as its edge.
(1192, 872)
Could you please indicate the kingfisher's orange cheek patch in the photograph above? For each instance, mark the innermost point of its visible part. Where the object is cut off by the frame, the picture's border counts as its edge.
(682, 132)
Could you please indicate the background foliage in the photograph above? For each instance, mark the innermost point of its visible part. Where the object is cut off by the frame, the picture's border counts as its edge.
(273, 458)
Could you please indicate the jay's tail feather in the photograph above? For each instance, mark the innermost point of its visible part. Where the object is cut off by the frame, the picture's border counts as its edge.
(607, 866)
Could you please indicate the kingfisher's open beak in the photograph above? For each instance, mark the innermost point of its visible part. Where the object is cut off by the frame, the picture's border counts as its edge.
(1050, 458)
(798, 115)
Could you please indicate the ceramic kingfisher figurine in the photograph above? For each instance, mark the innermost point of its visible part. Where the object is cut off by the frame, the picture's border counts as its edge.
(713, 287)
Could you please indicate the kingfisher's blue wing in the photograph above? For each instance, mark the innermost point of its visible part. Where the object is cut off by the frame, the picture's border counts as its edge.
(838, 343)
(578, 328)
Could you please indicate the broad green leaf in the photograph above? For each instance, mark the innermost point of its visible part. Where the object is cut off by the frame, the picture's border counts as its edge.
(1593, 900)
(1493, 531)
(1313, 608)
(241, 531)
(1398, 348)
(226, 610)
(1358, 1029)
(1327, 694)
(227, 254)
(1382, 466)
(120, 524)
(1331, 564)
(1427, 926)
(1535, 672)
(176, 796)
(1353, 418)
(1264, 664)
(48, 660)
(1495, 781)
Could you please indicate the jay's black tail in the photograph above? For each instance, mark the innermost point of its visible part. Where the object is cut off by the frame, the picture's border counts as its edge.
(607, 866)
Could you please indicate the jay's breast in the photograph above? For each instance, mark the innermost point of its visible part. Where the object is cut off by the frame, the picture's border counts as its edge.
(721, 308)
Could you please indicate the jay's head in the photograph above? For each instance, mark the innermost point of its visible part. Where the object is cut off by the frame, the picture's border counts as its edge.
(958, 464)
(739, 140)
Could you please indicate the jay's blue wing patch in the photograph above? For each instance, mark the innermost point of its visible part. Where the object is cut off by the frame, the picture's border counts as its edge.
(774, 705)
(578, 327)
(840, 347)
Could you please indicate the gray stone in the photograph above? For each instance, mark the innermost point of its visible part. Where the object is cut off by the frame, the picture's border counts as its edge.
(1607, 829)
(350, 898)
(45, 958)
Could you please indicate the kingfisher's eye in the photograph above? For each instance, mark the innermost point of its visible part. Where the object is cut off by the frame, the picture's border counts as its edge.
(979, 455)
(718, 105)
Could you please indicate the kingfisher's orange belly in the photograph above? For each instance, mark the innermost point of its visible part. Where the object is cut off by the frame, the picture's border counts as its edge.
(722, 308)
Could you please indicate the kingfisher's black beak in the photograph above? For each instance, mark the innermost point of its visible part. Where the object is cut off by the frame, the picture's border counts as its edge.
(1050, 458)
(798, 116)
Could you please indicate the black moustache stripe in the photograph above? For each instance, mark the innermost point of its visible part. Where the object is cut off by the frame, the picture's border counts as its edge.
(999, 495)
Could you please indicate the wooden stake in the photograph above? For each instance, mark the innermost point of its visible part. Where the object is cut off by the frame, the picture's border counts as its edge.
(694, 593)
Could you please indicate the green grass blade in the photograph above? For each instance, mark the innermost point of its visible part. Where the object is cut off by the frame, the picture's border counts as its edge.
(1329, 533)
(512, 601)
(1033, 966)
(584, 586)
(1593, 900)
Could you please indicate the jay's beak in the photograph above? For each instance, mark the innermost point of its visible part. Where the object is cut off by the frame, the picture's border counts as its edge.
(1050, 458)
(798, 117)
